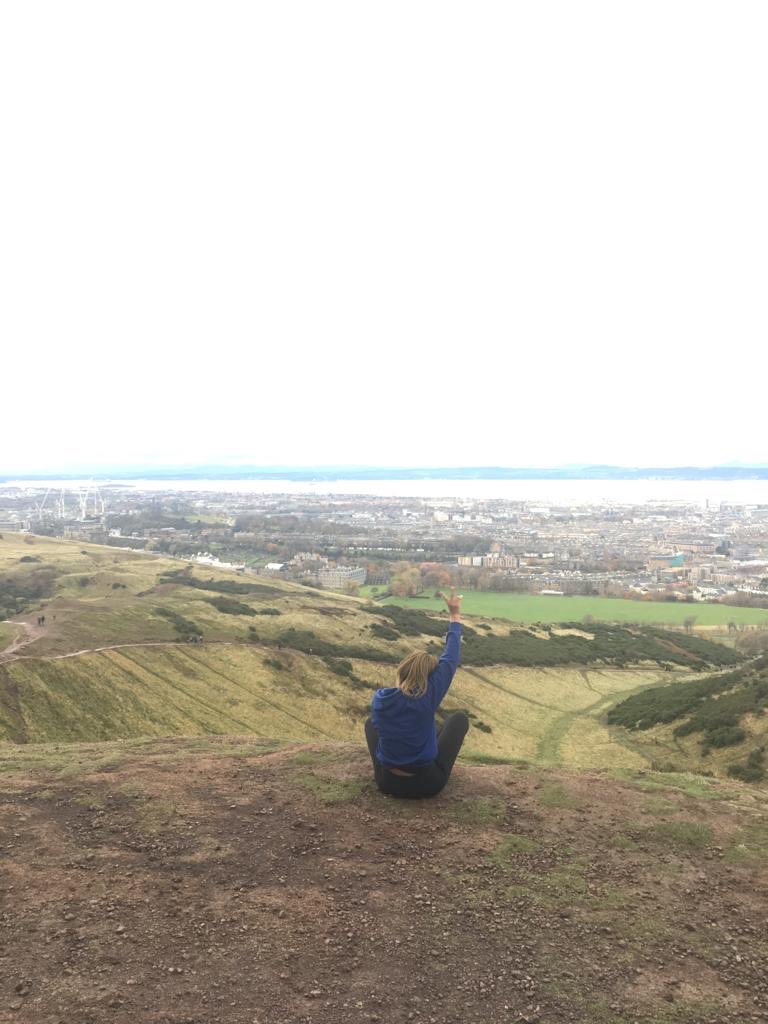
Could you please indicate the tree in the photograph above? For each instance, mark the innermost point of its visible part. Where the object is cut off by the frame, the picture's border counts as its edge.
(406, 580)
(434, 575)
(689, 623)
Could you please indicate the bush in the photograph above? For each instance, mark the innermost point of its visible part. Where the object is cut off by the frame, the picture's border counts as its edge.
(611, 645)
(713, 706)
(306, 641)
(229, 606)
(183, 578)
(725, 736)
(752, 770)
(268, 611)
(410, 621)
(384, 632)
(18, 593)
(339, 665)
(184, 627)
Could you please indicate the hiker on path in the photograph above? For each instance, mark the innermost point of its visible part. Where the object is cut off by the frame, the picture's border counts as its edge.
(409, 758)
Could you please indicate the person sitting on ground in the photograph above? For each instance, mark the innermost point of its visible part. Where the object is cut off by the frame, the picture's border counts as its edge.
(409, 758)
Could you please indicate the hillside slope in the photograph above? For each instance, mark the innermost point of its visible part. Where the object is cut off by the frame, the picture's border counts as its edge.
(716, 723)
(118, 657)
(231, 881)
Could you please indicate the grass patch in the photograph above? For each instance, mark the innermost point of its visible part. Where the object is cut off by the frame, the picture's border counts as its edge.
(483, 811)
(687, 835)
(154, 815)
(554, 794)
(748, 845)
(619, 841)
(510, 846)
(658, 806)
(314, 756)
(686, 782)
(330, 791)
(492, 759)
(130, 789)
(533, 608)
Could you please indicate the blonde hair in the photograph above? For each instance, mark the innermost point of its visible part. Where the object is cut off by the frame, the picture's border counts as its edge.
(413, 673)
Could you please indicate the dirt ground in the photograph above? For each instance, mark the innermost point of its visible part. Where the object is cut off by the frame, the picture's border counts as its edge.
(218, 880)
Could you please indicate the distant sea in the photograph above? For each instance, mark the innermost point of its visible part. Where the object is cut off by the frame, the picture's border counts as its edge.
(547, 492)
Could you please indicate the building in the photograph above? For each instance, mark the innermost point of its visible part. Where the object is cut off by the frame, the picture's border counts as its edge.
(341, 576)
(13, 525)
(273, 568)
(656, 562)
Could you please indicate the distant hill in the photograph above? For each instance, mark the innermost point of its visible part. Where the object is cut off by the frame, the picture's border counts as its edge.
(309, 473)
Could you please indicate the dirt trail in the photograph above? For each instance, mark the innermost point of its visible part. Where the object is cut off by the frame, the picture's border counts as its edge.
(30, 634)
(223, 880)
(13, 656)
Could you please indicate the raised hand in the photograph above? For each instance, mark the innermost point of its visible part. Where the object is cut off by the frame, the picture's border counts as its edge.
(454, 604)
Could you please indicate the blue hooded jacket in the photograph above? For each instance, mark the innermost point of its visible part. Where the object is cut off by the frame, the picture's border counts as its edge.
(406, 725)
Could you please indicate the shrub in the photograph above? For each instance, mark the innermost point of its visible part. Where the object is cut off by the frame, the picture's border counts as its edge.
(183, 578)
(752, 770)
(611, 645)
(713, 706)
(725, 736)
(410, 621)
(309, 643)
(184, 627)
(339, 665)
(384, 632)
(229, 606)
(18, 593)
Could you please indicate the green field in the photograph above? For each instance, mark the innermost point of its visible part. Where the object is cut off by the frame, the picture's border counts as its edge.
(528, 608)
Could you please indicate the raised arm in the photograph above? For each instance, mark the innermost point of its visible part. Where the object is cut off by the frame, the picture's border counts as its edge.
(443, 675)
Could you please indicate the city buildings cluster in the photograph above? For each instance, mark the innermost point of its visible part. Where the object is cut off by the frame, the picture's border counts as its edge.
(341, 542)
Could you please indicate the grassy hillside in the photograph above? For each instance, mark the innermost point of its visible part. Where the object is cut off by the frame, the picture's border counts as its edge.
(116, 659)
(717, 723)
(236, 880)
(552, 608)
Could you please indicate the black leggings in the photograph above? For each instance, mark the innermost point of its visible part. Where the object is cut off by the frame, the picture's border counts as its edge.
(430, 779)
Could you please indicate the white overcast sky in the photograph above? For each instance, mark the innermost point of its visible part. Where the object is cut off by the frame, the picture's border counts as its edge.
(397, 233)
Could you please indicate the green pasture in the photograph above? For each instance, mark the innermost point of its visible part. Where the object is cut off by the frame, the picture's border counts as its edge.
(528, 608)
